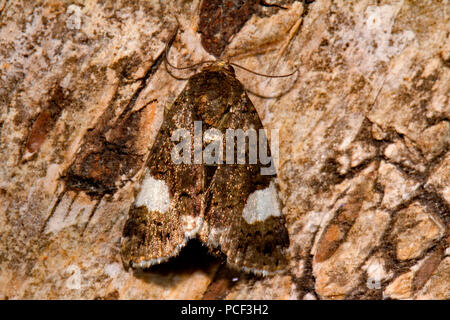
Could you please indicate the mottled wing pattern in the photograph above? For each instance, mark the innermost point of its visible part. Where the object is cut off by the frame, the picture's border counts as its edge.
(243, 216)
(230, 207)
(167, 210)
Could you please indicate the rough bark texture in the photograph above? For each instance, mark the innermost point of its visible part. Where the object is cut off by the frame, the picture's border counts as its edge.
(364, 167)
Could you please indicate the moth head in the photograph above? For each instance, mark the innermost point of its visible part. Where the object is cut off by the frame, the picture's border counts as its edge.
(220, 65)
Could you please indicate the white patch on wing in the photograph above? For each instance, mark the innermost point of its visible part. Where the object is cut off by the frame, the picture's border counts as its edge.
(191, 226)
(262, 204)
(154, 194)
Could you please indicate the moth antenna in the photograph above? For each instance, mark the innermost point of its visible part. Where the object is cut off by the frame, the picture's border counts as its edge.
(266, 4)
(269, 76)
(195, 65)
(190, 66)
(167, 62)
(279, 95)
(262, 74)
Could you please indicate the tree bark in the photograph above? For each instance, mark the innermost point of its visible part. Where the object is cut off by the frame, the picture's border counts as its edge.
(364, 169)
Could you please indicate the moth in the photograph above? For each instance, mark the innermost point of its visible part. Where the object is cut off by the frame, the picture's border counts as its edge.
(230, 206)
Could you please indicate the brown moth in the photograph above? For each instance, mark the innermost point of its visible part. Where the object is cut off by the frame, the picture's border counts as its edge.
(233, 207)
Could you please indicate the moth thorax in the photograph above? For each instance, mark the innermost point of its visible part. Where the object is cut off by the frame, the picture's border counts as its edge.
(221, 65)
(211, 110)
